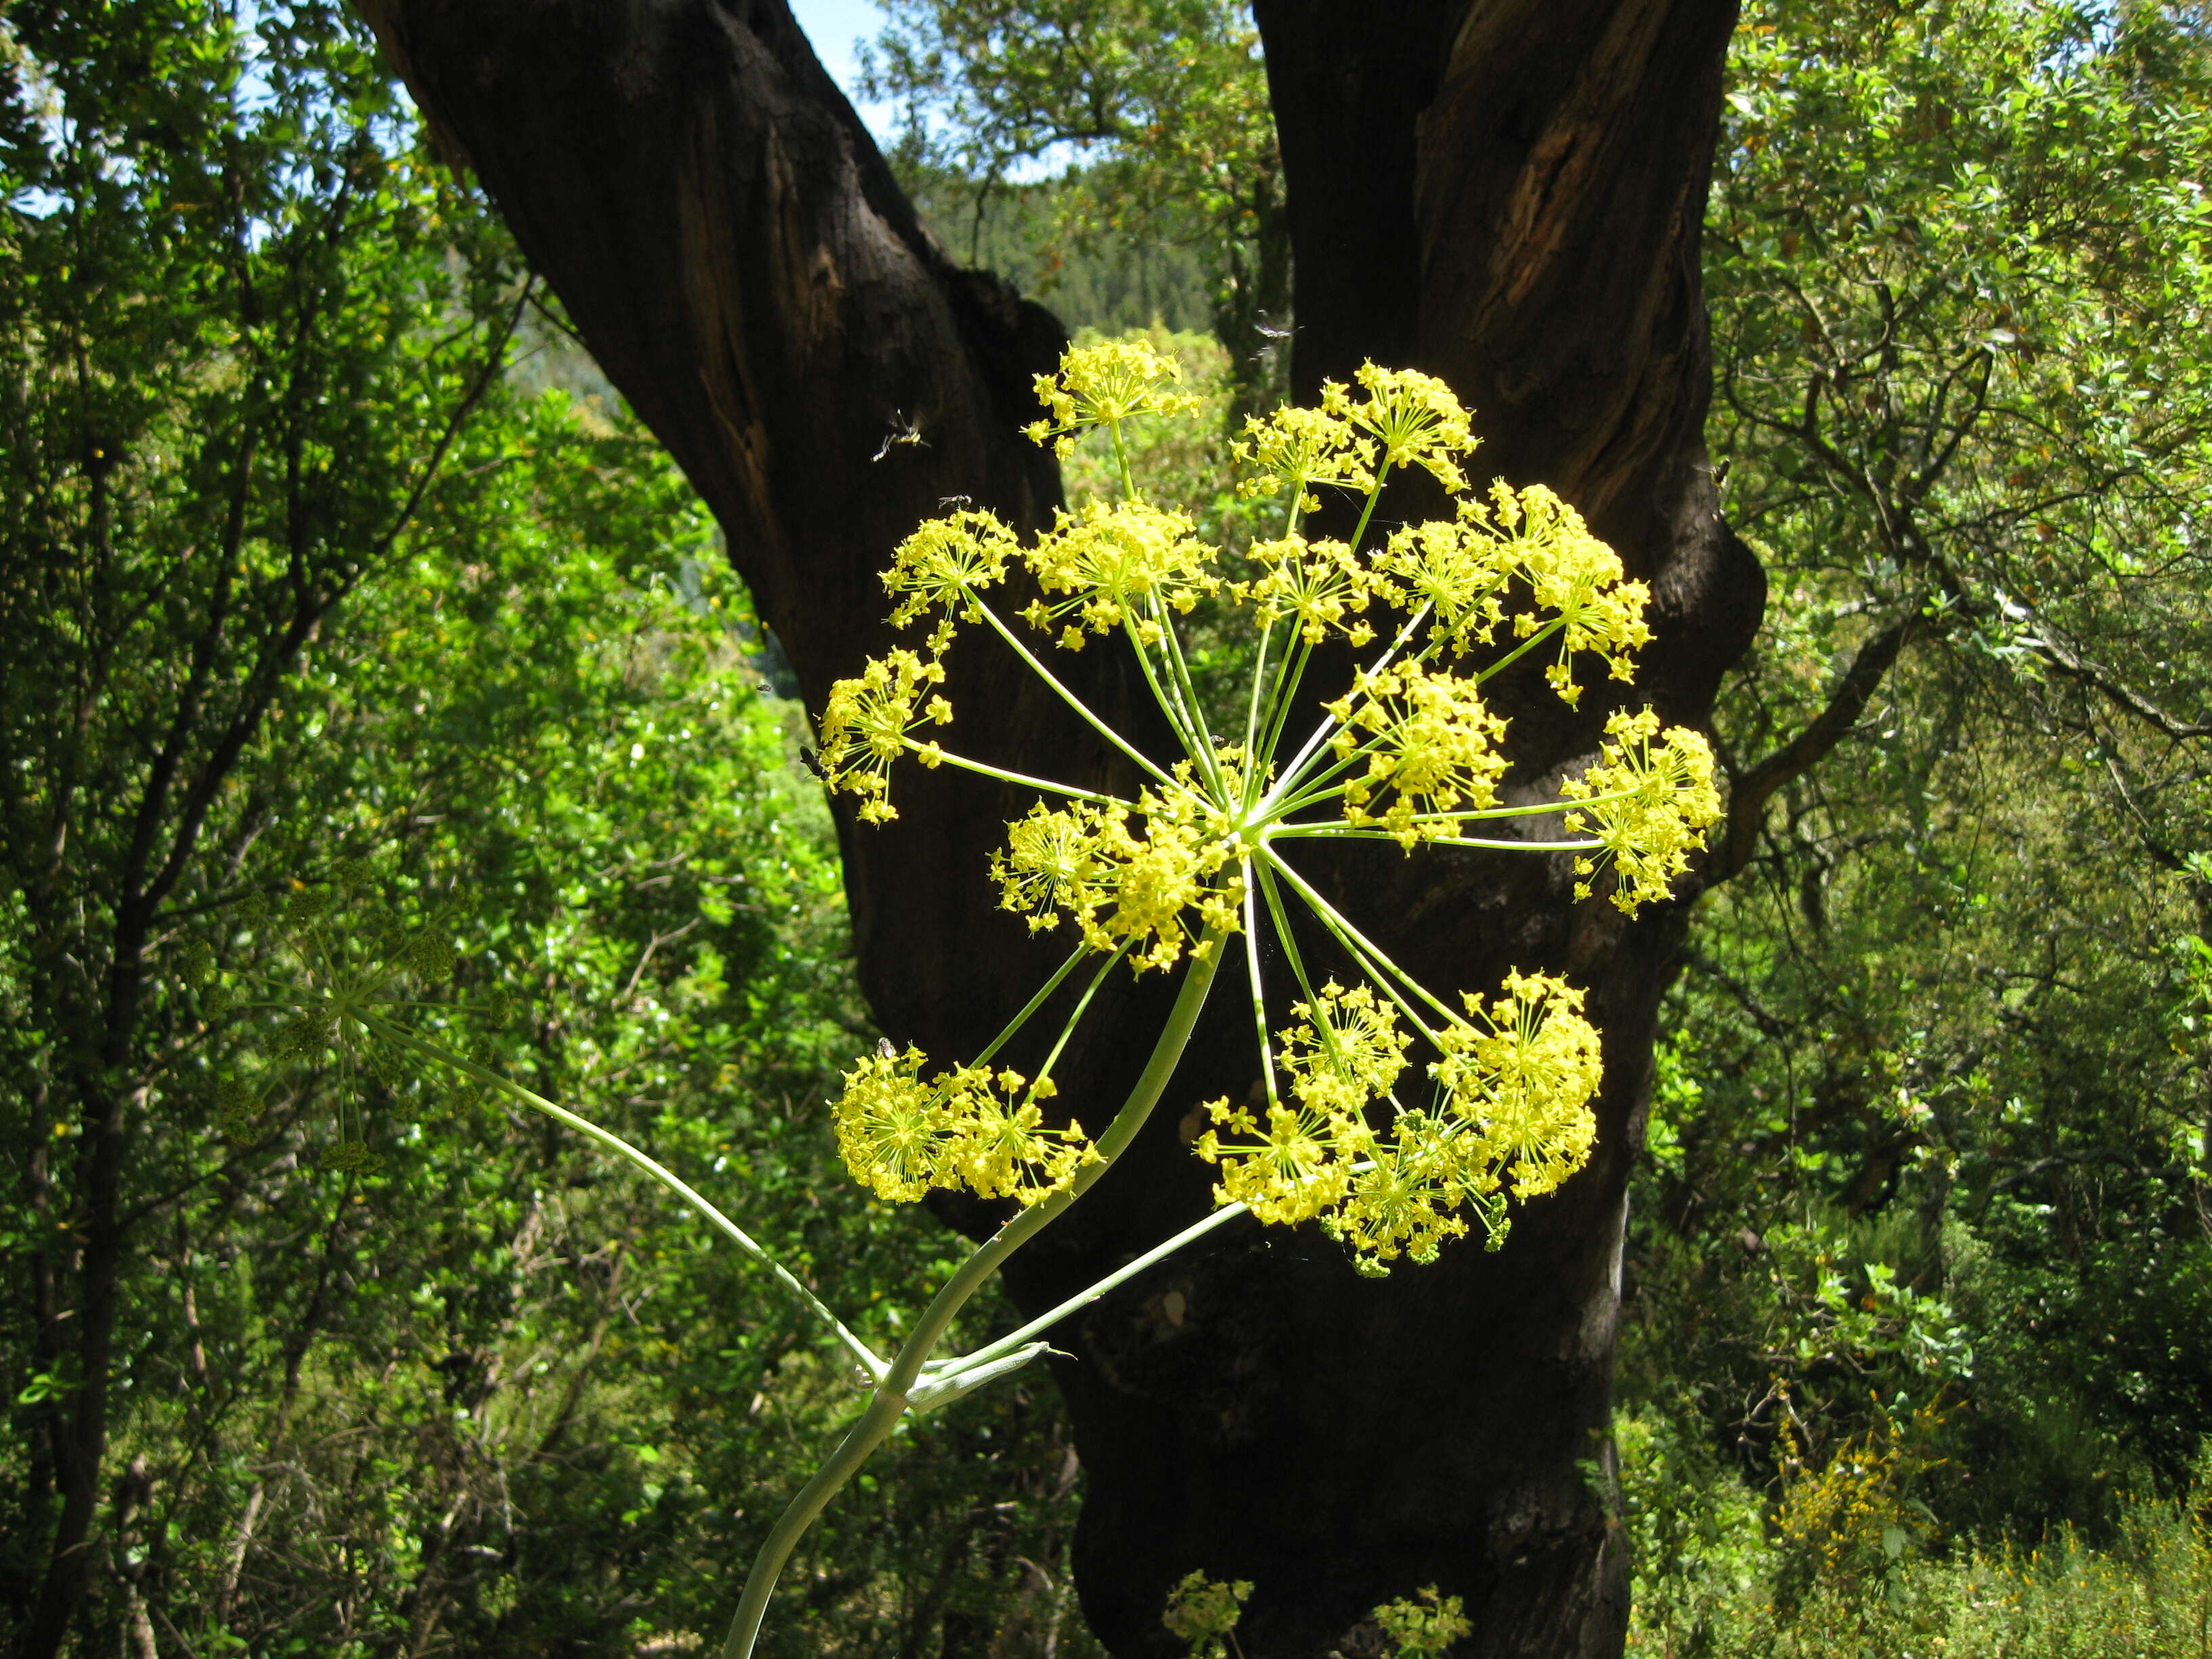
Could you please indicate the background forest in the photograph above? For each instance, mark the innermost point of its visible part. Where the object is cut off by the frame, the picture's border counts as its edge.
(332, 574)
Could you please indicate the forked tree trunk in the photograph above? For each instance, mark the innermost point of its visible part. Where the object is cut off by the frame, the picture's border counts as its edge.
(1505, 194)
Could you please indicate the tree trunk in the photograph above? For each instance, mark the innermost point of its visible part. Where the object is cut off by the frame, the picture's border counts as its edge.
(1507, 195)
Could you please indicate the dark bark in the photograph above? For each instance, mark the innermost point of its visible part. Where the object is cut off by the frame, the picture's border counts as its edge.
(1509, 195)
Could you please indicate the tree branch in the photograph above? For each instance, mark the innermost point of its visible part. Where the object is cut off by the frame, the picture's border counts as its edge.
(1750, 791)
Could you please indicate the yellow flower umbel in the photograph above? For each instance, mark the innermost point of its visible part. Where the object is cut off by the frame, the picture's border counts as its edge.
(1648, 806)
(1154, 891)
(868, 726)
(1429, 743)
(1301, 450)
(944, 565)
(1414, 415)
(1106, 384)
(1316, 584)
(1578, 580)
(1512, 1105)
(902, 1135)
(1520, 1073)
(1195, 851)
(1123, 564)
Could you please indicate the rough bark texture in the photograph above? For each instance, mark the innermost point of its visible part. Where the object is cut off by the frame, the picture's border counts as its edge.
(1505, 194)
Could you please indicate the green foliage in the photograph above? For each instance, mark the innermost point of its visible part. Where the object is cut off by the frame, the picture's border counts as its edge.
(1845, 1572)
(298, 585)
(1931, 1117)
(1107, 283)
(1158, 110)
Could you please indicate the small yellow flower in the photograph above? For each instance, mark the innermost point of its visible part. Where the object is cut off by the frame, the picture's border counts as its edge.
(1115, 563)
(1298, 449)
(1430, 744)
(1414, 415)
(1666, 802)
(1105, 384)
(866, 725)
(1004, 1149)
(943, 566)
(891, 1126)
(1052, 863)
(1316, 584)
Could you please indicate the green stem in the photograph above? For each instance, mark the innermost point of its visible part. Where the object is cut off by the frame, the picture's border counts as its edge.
(1188, 690)
(1068, 696)
(1186, 732)
(1346, 832)
(1364, 949)
(1467, 816)
(1522, 649)
(892, 1387)
(1288, 677)
(1256, 759)
(948, 758)
(1359, 530)
(1074, 1019)
(1081, 1299)
(1292, 773)
(1282, 922)
(873, 1427)
(937, 1318)
(1247, 870)
(1122, 459)
(875, 1367)
(1059, 977)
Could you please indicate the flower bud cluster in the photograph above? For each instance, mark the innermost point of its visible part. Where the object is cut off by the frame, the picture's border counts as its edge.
(866, 725)
(902, 1133)
(1153, 881)
(1512, 1087)
(1649, 805)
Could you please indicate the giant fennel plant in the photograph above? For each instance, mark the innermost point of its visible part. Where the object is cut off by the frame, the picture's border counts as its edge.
(1388, 1114)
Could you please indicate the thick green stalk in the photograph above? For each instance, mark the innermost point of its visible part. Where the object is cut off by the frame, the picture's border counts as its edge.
(873, 1427)
(937, 1318)
(876, 1423)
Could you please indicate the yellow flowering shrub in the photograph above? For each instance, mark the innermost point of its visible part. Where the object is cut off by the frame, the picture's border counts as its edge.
(1198, 850)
